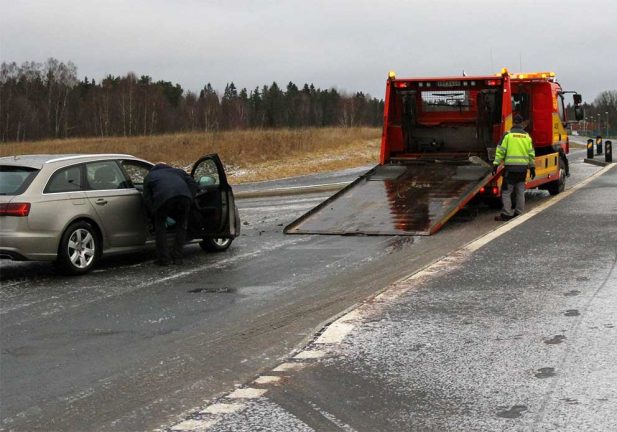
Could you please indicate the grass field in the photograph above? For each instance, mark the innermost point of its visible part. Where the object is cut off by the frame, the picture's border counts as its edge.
(251, 155)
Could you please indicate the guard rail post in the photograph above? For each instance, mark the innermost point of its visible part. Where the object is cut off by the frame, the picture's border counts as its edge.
(589, 148)
(608, 151)
(599, 145)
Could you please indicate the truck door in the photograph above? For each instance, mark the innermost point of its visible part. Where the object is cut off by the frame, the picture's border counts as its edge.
(214, 201)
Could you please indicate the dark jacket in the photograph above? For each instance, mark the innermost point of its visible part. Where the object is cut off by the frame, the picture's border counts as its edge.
(164, 182)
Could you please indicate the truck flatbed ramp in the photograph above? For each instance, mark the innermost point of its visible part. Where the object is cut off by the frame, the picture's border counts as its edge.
(396, 199)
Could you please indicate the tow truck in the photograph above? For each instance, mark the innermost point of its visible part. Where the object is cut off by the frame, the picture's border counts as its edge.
(437, 147)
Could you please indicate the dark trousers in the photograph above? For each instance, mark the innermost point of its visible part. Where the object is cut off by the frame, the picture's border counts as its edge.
(513, 182)
(178, 209)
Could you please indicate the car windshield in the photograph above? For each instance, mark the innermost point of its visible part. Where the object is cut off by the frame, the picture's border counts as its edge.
(15, 179)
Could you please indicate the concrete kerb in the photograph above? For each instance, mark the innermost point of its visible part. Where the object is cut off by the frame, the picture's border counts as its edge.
(293, 190)
(596, 162)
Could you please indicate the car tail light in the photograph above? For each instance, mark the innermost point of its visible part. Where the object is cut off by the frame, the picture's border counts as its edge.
(15, 209)
(495, 190)
(482, 190)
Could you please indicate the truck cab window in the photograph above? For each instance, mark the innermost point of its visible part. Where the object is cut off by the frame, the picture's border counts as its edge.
(520, 105)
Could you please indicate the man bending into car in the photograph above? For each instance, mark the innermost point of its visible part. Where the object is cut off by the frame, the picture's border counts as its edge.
(169, 192)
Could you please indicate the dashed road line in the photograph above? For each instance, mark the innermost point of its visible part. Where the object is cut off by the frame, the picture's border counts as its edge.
(286, 367)
(310, 354)
(247, 393)
(223, 408)
(267, 379)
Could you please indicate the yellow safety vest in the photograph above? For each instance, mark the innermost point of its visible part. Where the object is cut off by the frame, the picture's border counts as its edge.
(515, 148)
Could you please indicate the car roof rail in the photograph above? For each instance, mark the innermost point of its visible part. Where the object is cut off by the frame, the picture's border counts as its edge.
(71, 157)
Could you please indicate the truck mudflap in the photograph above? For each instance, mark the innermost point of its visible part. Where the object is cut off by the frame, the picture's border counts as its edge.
(396, 199)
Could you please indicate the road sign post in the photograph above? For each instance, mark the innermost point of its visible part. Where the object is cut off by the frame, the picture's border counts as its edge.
(589, 148)
(599, 145)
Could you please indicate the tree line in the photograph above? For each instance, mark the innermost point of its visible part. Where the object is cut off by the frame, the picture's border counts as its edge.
(48, 100)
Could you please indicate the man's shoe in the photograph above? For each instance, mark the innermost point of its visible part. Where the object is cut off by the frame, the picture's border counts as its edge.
(162, 263)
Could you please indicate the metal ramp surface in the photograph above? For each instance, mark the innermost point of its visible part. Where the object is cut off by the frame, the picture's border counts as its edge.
(401, 199)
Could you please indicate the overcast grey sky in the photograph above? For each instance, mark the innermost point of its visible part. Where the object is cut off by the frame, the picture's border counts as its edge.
(350, 45)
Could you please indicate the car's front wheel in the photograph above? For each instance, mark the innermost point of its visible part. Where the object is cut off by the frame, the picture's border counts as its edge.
(79, 249)
(215, 244)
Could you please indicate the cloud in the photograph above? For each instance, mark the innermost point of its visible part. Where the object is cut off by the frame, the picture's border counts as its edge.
(346, 44)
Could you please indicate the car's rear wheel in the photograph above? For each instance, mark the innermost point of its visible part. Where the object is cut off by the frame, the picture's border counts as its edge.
(215, 244)
(79, 248)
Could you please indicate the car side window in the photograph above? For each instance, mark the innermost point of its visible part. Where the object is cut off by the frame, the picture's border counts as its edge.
(105, 175)
(207, 173)
(136, 171)
(65, 180)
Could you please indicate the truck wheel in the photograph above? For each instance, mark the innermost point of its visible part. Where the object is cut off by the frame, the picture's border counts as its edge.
(79, 249)
(558, 185)
(215, 244)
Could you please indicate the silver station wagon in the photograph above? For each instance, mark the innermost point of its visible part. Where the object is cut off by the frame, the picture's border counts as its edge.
(74, 209)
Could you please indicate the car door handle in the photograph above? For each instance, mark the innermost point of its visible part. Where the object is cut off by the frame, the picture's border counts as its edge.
(101, 201)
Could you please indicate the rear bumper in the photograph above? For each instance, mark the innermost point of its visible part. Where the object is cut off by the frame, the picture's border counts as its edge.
(21, 246)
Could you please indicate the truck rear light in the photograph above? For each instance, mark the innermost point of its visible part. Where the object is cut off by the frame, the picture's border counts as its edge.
(15, 209)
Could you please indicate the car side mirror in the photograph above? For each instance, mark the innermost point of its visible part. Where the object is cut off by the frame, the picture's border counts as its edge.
(579, 113)
(577, 99)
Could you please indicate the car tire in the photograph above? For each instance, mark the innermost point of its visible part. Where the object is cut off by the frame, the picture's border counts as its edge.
(559, 185)
(215, 244)
(79, 249)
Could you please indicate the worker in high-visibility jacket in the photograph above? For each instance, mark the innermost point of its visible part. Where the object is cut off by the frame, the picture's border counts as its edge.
(517, 154)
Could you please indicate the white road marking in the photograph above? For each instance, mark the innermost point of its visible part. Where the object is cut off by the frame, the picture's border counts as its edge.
(335, 333)
(339, 329)
(310, 354)
(223, 408)
(247, 393)
(267, 379)
(285, 367)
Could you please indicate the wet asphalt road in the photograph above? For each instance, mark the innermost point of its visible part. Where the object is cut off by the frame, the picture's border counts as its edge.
(134, 347)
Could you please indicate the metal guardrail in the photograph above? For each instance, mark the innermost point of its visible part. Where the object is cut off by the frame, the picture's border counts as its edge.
(292, 190)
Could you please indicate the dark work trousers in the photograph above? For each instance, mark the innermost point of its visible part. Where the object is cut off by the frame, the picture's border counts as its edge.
(176, 208)
(513, 182)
